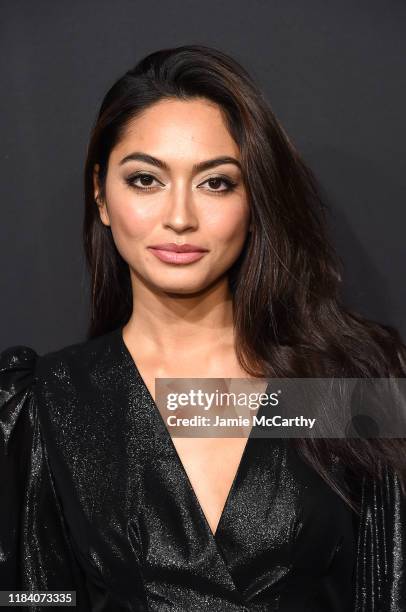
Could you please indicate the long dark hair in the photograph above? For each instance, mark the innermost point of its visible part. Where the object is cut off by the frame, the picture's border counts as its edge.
(289, 318)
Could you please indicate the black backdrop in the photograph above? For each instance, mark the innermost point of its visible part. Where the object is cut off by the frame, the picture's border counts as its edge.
(334, 74)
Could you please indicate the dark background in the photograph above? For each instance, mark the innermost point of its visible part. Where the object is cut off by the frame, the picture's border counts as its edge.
(335, 77)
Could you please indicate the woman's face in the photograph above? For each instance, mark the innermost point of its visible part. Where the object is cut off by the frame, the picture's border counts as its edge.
(166, 184)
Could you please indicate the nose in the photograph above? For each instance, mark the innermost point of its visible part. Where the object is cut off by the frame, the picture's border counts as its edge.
(180, 213)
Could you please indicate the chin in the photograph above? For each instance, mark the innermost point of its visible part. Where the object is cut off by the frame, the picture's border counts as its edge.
(181, 288)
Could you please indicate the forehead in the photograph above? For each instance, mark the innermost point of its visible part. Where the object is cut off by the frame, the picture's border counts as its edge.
(175, 129)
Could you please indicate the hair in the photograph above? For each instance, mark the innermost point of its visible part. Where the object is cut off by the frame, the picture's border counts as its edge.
(288, 315)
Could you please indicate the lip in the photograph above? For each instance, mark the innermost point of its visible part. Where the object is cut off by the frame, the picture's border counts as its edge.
(178, 248)
(177, 257)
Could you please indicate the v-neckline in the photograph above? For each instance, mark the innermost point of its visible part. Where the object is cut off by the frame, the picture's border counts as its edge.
(213, 534)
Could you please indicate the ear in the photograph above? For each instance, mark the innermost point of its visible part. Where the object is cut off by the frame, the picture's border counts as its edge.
(104, 216)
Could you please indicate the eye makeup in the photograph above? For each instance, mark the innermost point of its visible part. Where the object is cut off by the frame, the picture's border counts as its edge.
(216, 180)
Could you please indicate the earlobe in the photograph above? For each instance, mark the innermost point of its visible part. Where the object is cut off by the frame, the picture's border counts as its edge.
(104, 216)
(96, 187)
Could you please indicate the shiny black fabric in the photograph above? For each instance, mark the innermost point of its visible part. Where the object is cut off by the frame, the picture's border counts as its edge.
(94, 498)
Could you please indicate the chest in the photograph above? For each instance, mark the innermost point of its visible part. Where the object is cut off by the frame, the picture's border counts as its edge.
(210, 464)
(136, 503)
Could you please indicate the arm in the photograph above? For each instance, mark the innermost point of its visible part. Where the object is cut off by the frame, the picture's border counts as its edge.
(35, 550)
(380, 576)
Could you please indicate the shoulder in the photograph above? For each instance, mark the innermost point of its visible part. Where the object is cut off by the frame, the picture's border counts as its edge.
(60, 388)
(18, 359)
(18, 366)
(83, 356)
(21, 366)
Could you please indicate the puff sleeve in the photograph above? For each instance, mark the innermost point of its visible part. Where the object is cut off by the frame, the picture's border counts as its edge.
(380, 580)
(35, 550)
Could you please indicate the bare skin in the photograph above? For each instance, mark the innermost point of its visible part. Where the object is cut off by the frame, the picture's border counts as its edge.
(182, 320)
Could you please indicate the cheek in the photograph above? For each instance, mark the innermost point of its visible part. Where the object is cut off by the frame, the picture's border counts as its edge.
(229, 224)
(131, 223)
(130, 219)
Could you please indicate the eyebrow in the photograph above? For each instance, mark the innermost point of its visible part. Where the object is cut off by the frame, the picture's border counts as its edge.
(199, 167)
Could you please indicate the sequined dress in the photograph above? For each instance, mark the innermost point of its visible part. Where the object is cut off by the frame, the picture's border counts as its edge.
(95, 499)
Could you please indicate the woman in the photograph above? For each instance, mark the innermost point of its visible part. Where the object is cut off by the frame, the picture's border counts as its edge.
(97, 497)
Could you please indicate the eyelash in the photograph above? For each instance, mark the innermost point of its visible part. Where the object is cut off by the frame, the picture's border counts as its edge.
(231, 185)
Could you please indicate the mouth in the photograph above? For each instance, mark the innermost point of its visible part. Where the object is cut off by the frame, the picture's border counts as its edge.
(178, 248)
(178, 254)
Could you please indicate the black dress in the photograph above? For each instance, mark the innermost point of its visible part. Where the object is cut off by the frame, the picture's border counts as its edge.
(94, 498)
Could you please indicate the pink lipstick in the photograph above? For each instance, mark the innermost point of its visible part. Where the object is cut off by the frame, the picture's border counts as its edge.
(170, 252)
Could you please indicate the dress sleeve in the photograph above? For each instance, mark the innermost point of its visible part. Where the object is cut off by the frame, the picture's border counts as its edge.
(35, 550)
(380, 576)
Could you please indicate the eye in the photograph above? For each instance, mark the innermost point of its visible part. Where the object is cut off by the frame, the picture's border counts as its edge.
(146, 180)
(216, 181)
